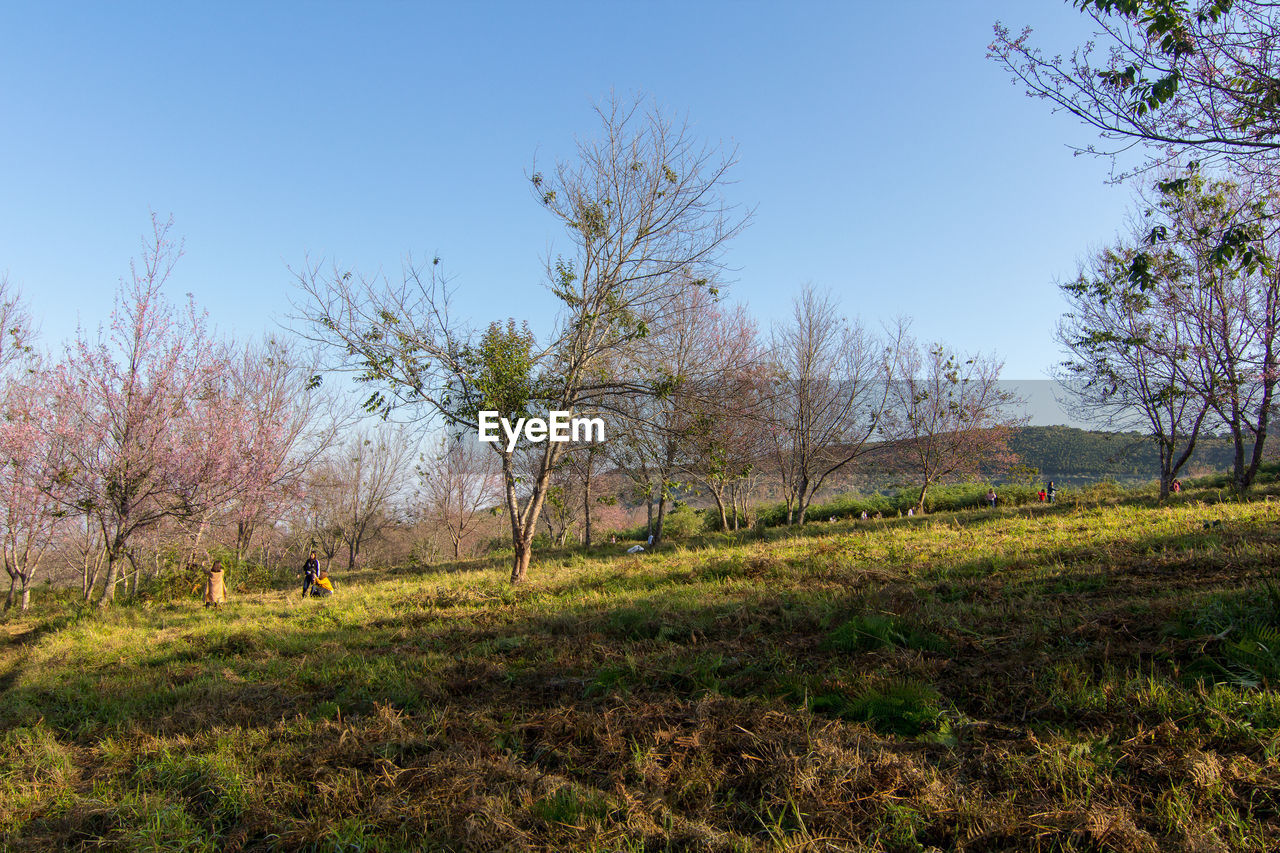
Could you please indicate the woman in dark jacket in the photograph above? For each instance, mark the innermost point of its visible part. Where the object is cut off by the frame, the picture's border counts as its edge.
(310, 571)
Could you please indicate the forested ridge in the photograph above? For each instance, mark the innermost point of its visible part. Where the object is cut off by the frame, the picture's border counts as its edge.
(1072, 456)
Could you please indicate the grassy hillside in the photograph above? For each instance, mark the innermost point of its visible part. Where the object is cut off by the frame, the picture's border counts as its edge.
(1078, 677)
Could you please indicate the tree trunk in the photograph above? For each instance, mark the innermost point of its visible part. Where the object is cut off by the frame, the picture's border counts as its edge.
(803, 498)
(115, 563)
(920, 503)
(586, 497)
(89, 578)
(520, 560)
(26, 594)
(586, 506)
(13, 579)
(724, 515)
(244, 535)
(662, 514)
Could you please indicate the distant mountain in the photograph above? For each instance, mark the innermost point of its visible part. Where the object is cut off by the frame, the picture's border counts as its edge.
(1071, 456)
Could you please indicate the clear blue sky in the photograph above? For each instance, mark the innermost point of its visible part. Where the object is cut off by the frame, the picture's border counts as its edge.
(886, 158)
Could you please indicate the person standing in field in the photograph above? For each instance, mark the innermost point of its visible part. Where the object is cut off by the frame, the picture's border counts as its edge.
(1050, 491)
(310, 571)
(215, 591)
(991, 497)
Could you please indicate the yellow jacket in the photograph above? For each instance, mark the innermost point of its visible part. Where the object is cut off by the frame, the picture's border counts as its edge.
(215, 592)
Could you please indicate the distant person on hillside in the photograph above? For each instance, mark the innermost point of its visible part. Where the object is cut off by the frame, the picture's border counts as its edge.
(911, 511)
(1051, 491)
(322, 586)
(1042, 496)
(864, 515)
(991, 497)
(310, 571)
(1177, 486)
(215, 591)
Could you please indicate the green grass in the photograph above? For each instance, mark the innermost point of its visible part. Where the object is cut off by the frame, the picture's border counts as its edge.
(1090, 676)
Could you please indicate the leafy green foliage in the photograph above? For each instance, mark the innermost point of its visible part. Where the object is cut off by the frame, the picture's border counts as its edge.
(502, 365)
(682, 522)
(906, 708)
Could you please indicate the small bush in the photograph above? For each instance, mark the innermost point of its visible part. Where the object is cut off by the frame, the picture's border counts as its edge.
(682, 522)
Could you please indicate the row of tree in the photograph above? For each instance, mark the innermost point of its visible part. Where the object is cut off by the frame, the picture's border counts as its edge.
(158, 430)
(153, 442)
(694, 395)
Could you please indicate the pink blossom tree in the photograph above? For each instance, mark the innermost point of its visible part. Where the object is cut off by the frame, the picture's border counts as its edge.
(149, 422)
(29, 511)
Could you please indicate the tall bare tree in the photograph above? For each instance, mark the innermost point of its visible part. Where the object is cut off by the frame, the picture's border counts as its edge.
(833, 380)
(292, 422)
(643, 210)
(459, 481)
(1229, 302)
(728, 406)
(949, 416)
(372, 471)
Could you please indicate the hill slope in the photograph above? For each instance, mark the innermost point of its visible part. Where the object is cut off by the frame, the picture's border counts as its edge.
(1059, 678)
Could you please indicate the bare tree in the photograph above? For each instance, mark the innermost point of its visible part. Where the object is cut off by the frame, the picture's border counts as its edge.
(459, 481)
(833, 382)
(948, 416)
(321, 508)
(728, 404)
(581, 466)
(642, 207)
(371, 473)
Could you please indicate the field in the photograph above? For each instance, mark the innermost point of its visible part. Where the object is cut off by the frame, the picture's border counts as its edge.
(1087, 676)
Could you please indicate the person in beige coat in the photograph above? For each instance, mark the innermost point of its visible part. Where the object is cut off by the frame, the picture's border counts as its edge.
(215, 591)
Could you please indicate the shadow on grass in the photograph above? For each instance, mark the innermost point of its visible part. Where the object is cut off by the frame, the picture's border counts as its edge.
(769, 641)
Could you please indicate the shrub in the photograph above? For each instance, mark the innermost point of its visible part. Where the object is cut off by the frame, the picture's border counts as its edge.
(682, 522)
